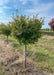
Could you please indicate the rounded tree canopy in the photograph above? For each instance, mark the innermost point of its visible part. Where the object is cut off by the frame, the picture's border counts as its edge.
(27, 30)
(6, 30)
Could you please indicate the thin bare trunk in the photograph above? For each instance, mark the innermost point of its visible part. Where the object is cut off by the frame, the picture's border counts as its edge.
(7, 39)
(25, 55)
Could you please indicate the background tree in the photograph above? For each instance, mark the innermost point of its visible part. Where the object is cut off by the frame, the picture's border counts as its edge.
(51, 23)
(6, 31)
(27, 30)
(2, 25)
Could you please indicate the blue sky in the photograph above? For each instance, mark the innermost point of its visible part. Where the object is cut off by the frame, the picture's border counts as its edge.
(27, 7)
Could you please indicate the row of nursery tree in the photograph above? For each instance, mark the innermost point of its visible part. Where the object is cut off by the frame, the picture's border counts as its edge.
(25, 29)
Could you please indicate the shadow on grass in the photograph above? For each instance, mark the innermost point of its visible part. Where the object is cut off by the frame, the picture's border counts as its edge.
(9, 41)
(41, 57)
(12, 41)
(38, 57)
(16, 45)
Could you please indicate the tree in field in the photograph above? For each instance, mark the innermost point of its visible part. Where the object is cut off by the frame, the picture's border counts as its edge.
(2, 25)
(27, 30)
(51, 23)
(6, 31)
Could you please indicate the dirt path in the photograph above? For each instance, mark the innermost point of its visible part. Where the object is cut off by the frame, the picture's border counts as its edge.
(9, 57)
(13, 60)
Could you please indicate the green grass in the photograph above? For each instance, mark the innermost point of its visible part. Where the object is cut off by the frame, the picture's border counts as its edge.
(43, 56)
(3, 70)
(48, 32)
(47, 42)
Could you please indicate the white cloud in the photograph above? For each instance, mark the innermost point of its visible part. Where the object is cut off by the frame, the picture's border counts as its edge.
(25, 1)
(1, 11)
(3, 2)
(6, 7)
(5, 19)
(41, 8)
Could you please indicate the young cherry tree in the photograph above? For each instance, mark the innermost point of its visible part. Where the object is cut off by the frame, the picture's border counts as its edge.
(6, 31)
(27, 30)
(2, 25)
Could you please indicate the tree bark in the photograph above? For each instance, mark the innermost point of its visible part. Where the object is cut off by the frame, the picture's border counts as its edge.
(25, 55)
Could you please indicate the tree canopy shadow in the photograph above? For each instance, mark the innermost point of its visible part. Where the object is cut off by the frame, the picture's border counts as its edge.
(37, 56)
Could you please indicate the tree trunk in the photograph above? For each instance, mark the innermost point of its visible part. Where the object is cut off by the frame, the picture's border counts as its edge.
(25, 55)
(7, 39)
